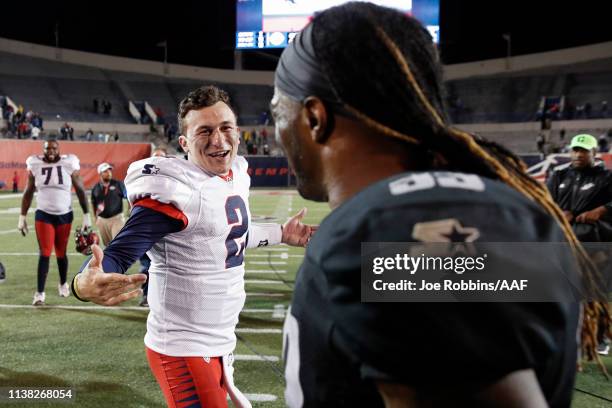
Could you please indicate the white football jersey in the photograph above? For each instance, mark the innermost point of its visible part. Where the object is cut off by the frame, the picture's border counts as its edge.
(53, 182)
(196, 278)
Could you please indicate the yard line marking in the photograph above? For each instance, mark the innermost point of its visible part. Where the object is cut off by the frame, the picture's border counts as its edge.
(12, 210)
(264, 282)
(281, 255)
(266, 263)
(258, 331)
(260, 397)
(97, 307)
(253, 357)
(9, 231)
(263, 294)
(265, 271)
(279, 311)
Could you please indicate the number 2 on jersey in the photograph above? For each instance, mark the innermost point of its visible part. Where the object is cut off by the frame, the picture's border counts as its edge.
(47, 171)
(235, 254)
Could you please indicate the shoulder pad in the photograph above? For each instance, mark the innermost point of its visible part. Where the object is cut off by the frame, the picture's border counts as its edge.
(160, 178)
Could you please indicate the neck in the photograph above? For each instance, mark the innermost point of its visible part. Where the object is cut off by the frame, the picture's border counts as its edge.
(359, 158)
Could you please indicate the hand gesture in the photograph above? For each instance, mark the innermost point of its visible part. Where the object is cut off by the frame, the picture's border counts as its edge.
(296, 233)
(108, 289)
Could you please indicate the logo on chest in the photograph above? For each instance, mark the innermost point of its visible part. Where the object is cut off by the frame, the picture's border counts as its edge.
(587, 186)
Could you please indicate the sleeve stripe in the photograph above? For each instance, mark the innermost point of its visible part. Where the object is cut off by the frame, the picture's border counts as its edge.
(167, 209)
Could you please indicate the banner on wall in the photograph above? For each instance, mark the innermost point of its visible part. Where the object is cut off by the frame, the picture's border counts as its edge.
(270, 171)
(13, 155)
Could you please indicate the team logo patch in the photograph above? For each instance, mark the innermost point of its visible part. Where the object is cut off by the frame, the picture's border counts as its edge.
(449, 230)
(150, 169)
(262, 243)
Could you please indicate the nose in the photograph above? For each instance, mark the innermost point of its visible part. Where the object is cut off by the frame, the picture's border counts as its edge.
(216, 137)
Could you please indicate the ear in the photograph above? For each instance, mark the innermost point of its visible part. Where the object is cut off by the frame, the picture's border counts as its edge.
(183, 143)
(316, 115)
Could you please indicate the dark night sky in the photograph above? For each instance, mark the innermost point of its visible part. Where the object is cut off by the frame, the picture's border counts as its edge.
(202, 32)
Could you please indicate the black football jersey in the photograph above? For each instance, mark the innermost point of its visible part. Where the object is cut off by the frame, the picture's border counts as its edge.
(336, 347)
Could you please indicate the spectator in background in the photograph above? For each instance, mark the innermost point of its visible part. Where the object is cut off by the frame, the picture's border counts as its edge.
(35, 132)
(266, 149)
(107, 106)
(604, 109)
(540, 142)
(116, 137)
(89, 135)
(96, 105)
(603, 143)
(588, 109)
(562, 136)
(15, 182)
(264, 135)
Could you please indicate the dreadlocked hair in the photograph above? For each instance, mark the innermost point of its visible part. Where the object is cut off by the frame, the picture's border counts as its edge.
(396, 61)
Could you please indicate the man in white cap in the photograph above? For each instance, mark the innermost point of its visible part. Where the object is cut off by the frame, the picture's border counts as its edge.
(107, 201)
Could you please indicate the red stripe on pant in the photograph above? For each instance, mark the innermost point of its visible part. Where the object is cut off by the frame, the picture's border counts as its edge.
(189, 381)
(50, 236)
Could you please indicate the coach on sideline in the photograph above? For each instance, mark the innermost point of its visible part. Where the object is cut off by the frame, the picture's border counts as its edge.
(107, 201)
(583, 190)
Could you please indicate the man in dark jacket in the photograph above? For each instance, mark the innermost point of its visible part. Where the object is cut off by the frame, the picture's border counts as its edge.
(583, 190)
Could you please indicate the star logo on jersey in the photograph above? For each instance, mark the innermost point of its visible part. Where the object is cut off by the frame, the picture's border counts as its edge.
(150, 169)
(448, 230)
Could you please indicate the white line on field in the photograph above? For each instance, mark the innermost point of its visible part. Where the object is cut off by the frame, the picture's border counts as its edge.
(260, 397)
(258, 310)
(258, 331)
(252, 357)
(281, 255)
(264, 282)
(11, 231)
(263, 262)
(265, 271)
(263, 294)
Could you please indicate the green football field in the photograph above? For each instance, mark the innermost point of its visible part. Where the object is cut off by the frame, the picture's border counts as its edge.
(99, 352)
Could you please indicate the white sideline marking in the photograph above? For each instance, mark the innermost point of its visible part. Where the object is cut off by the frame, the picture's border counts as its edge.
(264, 282)
(265, 263)
(261, 397)
(7, 196)
(259, 331)
(96, 307)
(12, 210)
(276, 248)
(262, 294)
(265, 271)
(9, 231)
(253, 357)
(257, 310)
(279, 312)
